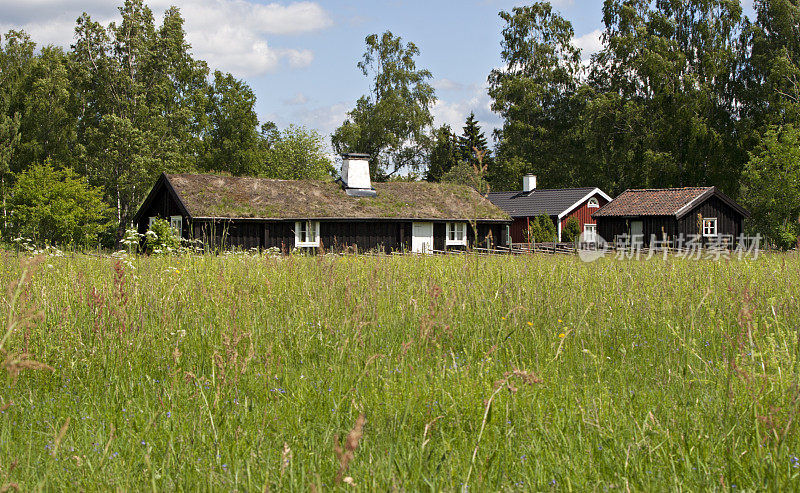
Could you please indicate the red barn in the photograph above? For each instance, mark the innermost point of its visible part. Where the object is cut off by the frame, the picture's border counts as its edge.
(560, 204)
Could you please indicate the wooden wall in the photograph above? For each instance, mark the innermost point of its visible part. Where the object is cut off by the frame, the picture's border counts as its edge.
(163, 206)
(353, 236)
(729, 222)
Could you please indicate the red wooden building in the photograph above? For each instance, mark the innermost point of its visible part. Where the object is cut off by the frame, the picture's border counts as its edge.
(560, 204)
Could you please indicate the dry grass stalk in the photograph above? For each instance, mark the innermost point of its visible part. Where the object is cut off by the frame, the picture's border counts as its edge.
(286, 457)
(8, 487)
(346, 453)
(526, 377)
(234, 361)
(22, 315)
(59, 437)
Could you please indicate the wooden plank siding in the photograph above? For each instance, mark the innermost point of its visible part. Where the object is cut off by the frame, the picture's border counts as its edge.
(386, 236)
(729, 222)
(163, 206)
(584, 213)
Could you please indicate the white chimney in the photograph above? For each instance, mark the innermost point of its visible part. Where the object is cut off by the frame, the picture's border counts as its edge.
(355, 174)
(528, 183)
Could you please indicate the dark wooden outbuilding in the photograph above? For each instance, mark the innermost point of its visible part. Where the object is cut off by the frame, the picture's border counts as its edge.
(244, 212)
(672, 214)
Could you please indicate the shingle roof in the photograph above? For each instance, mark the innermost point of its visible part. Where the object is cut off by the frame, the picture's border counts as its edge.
(652, 202)
(214, 196)
(552, 201)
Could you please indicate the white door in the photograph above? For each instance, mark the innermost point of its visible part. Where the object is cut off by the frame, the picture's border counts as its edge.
(637, 229)
(589, 233)
(422, 238)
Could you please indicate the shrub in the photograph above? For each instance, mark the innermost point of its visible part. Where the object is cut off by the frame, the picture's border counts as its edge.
(57, 206)
(161, 238)
(543, 230)
(572, 231)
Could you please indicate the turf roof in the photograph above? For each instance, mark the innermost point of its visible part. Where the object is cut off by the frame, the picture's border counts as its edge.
(214, 196)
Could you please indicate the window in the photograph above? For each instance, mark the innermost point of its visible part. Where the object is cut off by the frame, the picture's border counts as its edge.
(176, 223)
(590, 233)
(306, 234)
(710, 226)
(150, 223)
(507, 235)
(594, 203)
(456, 234)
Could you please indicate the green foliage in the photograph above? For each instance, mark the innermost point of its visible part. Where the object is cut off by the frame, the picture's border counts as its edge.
(389, 124)
(572, 231)
(444, 153)
(536, 93)
(297, 153)
(542, 229)
(233, 143)
(161, 238)
(57, 207)
(771, 186)
(467, 174)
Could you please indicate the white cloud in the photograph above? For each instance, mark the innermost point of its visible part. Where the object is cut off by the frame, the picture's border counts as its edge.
(447, 85)
(230, 34)
(455, 112)
(297, 100)
(589, 43)
(326, 119)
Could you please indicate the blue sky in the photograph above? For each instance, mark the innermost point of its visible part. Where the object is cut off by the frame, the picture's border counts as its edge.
(300, 56)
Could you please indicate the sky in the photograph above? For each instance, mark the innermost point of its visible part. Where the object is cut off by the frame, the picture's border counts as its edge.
(300, 56)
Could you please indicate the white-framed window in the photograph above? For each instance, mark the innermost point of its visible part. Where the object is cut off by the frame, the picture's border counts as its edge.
(152, 219)
(590, 233)
(593, 203)
(306, 234)
(507, 235)
(176, 223)
(456, 234)
(709, 226)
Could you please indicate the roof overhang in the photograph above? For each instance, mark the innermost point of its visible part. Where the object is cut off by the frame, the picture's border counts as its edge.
(163, 180)
(713, 191)
(353, 219)
(586, 197)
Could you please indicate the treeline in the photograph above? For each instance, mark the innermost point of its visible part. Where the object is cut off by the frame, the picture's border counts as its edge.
(126, 102)
(682, 93)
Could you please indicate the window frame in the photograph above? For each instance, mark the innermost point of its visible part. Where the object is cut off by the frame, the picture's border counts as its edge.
(708, 221)
(586, 228)
(459, 232)
(593, 203)
(302, 229)
(176, 223)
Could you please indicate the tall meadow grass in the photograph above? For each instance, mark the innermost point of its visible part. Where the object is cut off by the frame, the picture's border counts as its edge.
(253, 373)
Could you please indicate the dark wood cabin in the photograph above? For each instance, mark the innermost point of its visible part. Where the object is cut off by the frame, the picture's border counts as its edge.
(705, 214)
(243, 212)
(560, 204)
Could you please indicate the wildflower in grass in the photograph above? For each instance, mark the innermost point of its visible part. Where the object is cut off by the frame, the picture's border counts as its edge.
(530, 323)
(562, 335)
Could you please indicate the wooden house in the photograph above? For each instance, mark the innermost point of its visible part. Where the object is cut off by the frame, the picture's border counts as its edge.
(560, 204)
(672, 213)
(246, 212)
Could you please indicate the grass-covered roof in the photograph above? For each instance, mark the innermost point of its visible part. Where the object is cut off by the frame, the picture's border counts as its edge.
(215, 196)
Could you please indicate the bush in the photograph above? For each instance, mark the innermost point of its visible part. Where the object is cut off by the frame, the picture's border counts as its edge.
(161, 238)
(543, 230)
(57, 206)
(572, 231)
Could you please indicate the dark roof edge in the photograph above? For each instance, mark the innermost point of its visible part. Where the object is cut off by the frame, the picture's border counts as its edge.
(706, 195)
(351, 219)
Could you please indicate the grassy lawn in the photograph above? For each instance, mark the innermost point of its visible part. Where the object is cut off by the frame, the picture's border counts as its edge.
(238, 373)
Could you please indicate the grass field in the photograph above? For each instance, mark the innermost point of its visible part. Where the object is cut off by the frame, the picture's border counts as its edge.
(238, 373)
